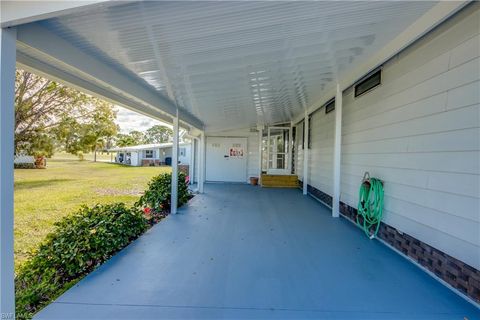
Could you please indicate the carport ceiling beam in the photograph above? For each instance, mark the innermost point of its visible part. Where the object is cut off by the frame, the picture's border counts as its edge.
(49, 47)
(14, 12)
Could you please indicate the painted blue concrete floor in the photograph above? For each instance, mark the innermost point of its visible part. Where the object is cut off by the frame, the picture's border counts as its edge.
(240, 251)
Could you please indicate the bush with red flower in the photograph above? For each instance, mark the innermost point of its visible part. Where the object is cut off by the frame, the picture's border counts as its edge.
(153, 216)
(155, 202)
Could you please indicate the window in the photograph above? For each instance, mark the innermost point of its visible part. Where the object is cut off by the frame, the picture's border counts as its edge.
(368, 83)
(148, 154)
(303, 134)
(330, 106)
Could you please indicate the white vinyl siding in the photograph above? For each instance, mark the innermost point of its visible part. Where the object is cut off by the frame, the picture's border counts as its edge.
(299, 151)
(321, 152)
(419, 132)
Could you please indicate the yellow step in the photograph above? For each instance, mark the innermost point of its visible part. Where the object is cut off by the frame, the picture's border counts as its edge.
(279, 181)
(270, 177)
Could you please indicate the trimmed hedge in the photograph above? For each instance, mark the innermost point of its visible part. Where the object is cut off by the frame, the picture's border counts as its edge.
(79, 244)
(83, 241)
(24, 166)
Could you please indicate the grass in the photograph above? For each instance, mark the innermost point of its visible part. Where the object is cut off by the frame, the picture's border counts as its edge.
(44, 196)
(101, 156)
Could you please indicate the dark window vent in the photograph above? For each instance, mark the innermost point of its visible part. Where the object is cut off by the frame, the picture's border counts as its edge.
(368, 83)
(330, 106)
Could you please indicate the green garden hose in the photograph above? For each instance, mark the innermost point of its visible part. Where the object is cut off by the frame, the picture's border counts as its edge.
(370, 205)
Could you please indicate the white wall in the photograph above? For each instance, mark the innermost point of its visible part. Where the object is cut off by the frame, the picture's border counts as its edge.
(186, 158)
(321, 151)
(252, 147)
(135, 158)
(419, 132)
(299, 150)
(167, 151)
(195, 149)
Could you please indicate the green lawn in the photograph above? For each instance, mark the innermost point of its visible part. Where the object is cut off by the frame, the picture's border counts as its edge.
(101, 156)
(43, 196)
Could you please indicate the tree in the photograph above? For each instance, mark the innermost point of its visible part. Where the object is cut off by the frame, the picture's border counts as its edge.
(130, 139)
(39, 104)
(88, 133)
(158, 134)
(99, 129)
(49, 115)
(124, 140)
(138, 136)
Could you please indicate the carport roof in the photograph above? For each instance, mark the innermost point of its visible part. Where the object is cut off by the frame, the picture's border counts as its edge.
(225, 65)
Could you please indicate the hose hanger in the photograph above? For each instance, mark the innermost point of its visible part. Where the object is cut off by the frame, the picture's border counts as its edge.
(370, 205)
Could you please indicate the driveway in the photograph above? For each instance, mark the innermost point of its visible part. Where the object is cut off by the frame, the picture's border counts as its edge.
(240, 251)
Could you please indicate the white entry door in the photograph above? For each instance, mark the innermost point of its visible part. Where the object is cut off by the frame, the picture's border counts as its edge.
(278, 150)
(226, 159)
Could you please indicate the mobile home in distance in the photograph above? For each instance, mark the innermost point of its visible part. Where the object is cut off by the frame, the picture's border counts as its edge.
(159, 154)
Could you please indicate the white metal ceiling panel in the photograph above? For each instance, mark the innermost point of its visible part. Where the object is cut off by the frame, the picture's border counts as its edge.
(239, 63)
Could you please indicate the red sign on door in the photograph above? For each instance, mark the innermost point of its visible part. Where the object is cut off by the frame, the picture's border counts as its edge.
(236, 152)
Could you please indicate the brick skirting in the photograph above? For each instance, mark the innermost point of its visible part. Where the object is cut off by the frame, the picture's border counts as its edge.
(461, 276)
(320, 195)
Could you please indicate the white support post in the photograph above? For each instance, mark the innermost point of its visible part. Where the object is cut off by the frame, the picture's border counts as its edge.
(260, 155)
(268, 150)
(290, 148)
(191, 170)
(337, 153)
(305, 154)
(174, 195)
(7, 119)
(201, 162)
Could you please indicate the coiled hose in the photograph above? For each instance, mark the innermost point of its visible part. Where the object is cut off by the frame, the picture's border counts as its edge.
(370, 206)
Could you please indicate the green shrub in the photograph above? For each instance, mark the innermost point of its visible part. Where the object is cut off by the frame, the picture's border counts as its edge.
(157, 196)
(79, 244)
(24, 166)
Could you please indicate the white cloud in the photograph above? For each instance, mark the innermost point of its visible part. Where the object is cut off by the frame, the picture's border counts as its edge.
(129, 120)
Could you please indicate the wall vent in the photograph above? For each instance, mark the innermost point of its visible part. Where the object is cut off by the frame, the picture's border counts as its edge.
(368, 83)
(330, 106)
